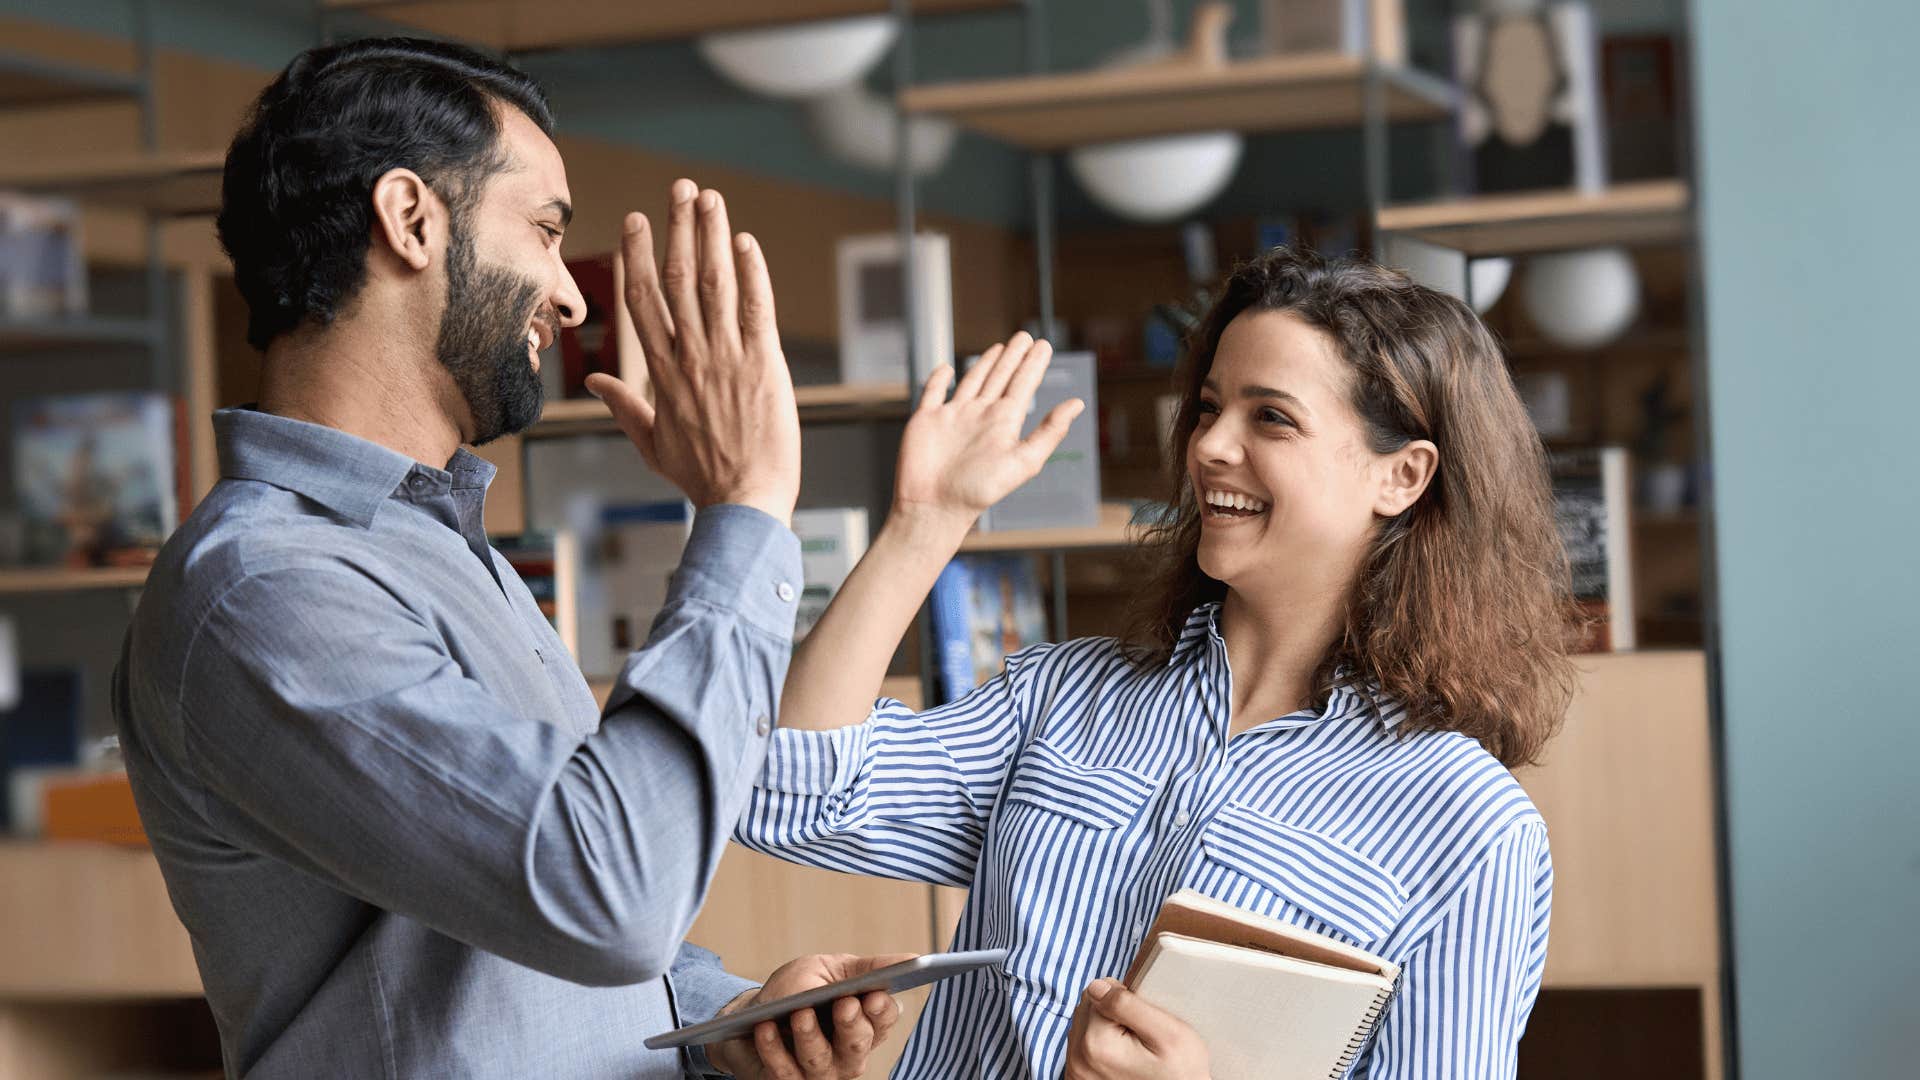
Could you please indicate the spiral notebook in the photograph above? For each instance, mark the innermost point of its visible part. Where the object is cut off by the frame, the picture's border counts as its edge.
(1272, 1001)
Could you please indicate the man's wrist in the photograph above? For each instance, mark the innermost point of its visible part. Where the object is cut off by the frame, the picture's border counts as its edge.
(779, 507)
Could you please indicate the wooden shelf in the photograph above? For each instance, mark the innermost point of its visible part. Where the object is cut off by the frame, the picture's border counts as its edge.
(1112, 532)
(1275, 93)
(166, 183)
(1657, 211)
(570, 415)
(28, 81)
(89, 922)
(43, 579)
(81, 332)
(524, 25)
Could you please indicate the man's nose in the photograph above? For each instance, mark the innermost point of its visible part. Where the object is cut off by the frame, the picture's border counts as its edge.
(568, 304)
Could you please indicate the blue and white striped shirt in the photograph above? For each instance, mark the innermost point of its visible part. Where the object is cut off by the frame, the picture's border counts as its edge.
(1073, 793)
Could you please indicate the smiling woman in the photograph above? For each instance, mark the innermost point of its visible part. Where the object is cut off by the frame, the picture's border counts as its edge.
(1360, 616)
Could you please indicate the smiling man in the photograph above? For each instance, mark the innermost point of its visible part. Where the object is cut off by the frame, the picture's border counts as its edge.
(403, 836)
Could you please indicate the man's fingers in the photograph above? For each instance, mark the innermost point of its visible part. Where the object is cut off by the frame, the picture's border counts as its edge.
(719, 291)
(758, 325)
(651, 319)
(934, 394)
(810, 1046)
(1018, 357)
(853, 1036)
(882, 1012)
(681, 276)
(631, 410)
(1046, 435)
(776, 1062)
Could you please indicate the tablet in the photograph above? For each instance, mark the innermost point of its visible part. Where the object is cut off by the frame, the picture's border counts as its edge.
(918, 971)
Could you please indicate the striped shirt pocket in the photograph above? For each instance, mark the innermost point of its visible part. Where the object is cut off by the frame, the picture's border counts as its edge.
(1103, 796)
(1325, 879)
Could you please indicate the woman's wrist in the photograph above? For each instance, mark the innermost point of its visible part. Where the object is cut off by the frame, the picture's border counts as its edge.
(922, 527)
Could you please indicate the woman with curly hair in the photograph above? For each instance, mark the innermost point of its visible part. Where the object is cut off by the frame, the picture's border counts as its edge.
(1357, 620)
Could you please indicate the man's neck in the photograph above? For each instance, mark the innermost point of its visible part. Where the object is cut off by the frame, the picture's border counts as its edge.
(382, 391)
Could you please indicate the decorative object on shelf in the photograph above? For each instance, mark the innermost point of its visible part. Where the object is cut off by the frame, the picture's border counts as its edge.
(637, 550)
(1591, 492)
(1347, 26)
(1663, 479)
(1165, 177)
(803, 60)
(43, 271)
(1480, 282)
(1531, 113)
(1067, 490)
(1641, 87)
(831, 542)
(1582, 299)
(856, 126)
(592, 346)
(983, 608)
(1548, 398)
(95, 476)
(39, 737)
(873, 308)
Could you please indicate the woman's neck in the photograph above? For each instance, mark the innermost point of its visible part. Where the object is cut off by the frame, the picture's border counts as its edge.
(1274, 645)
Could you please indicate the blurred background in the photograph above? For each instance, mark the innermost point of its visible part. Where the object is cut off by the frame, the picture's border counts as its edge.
(1677, 215)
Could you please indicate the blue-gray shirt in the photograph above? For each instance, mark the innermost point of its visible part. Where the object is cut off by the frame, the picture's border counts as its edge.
(404, 838)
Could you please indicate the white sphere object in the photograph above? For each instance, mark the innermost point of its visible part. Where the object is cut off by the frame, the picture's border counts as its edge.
(1157, 179)
(804, 60)
(1582, 299)
(857, 126)
(1489, 277)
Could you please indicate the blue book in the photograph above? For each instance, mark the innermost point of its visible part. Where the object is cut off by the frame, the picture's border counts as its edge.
(947, 614)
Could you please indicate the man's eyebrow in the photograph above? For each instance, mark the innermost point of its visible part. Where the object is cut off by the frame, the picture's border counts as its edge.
(561, 207)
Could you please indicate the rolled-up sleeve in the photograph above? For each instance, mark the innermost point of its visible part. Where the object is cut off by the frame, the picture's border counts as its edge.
(903, 795)
(350, 743)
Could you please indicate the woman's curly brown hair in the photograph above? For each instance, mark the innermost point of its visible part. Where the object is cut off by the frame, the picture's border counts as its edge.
(1462, 611)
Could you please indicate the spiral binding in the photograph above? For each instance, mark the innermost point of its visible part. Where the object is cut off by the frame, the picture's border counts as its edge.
(1366, 1029)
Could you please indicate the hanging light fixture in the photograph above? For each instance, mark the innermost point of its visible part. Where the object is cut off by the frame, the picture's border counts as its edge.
(804, 60)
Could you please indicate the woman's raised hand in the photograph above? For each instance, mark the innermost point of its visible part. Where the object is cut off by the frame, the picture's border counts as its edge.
(961, 456)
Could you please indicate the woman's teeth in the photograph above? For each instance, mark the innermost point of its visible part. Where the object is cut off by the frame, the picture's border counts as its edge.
(1233, 502)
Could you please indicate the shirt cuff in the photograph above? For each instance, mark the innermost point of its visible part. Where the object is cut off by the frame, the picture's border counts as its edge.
(801, 762)
(701, 988)
(743, 560)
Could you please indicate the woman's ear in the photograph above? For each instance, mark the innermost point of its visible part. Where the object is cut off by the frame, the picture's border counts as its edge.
(1404, 476)
(408, 218)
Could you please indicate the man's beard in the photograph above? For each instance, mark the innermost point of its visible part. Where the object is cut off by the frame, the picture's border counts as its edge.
(483, 341)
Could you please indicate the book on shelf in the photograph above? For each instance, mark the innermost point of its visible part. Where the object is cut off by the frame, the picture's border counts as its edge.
(548, 563)
(1271, 1000)
(831, 543)
(96, 477)
(982, 609)
(874, 307)
(1067, 490)
(1591, 496)
(43, 269)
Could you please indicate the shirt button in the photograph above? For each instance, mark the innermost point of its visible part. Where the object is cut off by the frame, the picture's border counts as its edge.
(761, 724)
(785, 591)
(1180, 819)
(418, 482)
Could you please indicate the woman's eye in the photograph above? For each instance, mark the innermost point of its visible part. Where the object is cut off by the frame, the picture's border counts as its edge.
(1208, 408)
(1275, 416)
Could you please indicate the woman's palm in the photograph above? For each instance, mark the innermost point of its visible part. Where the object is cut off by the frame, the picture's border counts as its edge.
(966, 454)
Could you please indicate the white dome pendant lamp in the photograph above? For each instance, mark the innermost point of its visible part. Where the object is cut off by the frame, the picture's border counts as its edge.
(804, 60)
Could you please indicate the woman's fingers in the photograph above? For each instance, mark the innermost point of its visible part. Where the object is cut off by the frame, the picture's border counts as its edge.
(1022, 383)
(1018, 356)
(977, 373)
(934, 394)
(1040, 444)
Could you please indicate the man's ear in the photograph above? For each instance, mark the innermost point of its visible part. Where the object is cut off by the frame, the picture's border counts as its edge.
(408, 218)
(1404, 477)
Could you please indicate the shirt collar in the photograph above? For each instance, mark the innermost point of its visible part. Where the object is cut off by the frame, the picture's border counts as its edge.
(1350, 695)
(344, 473)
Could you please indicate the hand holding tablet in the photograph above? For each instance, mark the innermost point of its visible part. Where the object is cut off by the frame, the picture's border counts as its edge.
(894, 978)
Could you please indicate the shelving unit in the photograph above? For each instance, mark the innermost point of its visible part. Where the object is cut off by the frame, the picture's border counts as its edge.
(1643, 213)
(15, 581)
(167, 184)
(1113, 531)
(527, 25)
(1276, 93)
(31, 82)
(820, 402)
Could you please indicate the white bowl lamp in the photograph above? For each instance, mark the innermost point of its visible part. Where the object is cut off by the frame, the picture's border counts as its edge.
(1582, 299)
(1449, 270)
(801, 61)
(1157, 179)
(857, 126)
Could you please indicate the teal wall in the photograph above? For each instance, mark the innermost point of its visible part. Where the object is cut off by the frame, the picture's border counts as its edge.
(1808, 151)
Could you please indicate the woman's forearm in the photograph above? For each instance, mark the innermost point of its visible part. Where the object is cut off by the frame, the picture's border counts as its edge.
(836, 672)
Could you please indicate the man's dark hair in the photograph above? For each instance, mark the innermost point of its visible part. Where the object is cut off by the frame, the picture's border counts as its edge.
(296, 200)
